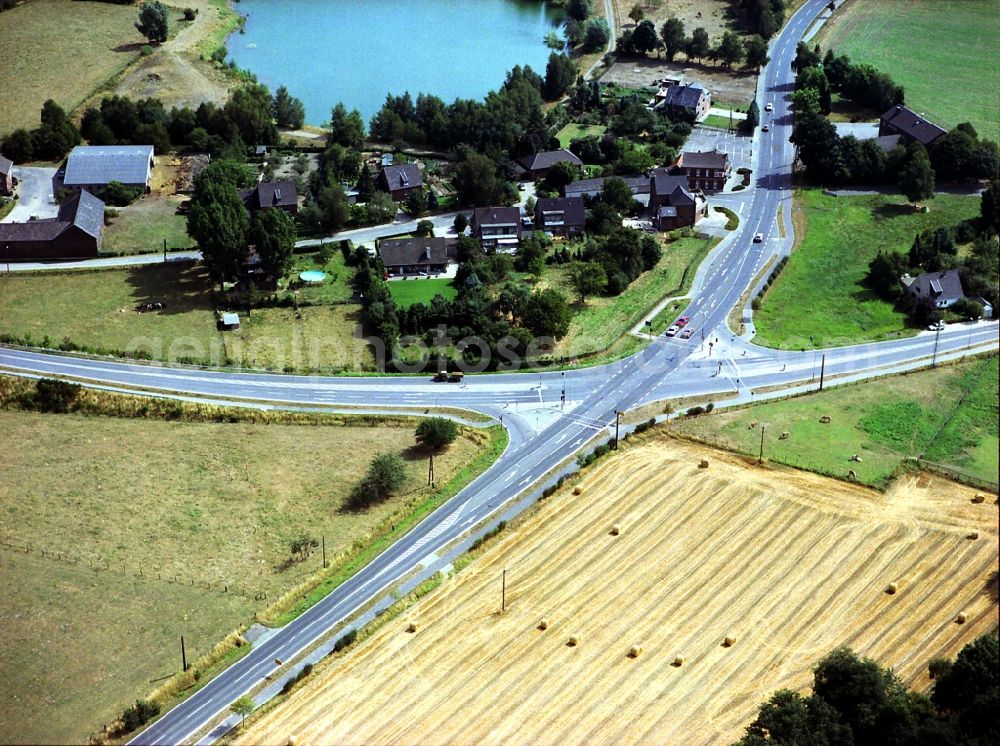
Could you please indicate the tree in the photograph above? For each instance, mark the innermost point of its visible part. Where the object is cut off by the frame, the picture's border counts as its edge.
(644, 37)
(697, 46)
(884, 272)
(672, 34)
(347, 128)
(273, 233)
(560, 75)
(916, 179)
(219, 222)
(461, 223)
(805, 57)
(139, 714)
(117, 194)
(243, 707)
(476, 182)
(989, 206)
(249, 110)
(386, 474)
(969, 691)
(616, 192)
(56, 134)
(587, 278)
(756, 52)
(597, 35)
(753, 117)
(436, 433)
(287, 110)
(730, 49)
(547, 314)
(579, 9)
(637, 13)
(19, 146)
(558, 176)
(416, 202)
(152, 21)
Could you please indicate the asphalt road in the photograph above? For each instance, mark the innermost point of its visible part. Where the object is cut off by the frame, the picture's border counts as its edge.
(544, 431)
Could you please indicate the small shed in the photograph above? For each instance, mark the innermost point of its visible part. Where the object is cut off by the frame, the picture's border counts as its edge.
(229, 322)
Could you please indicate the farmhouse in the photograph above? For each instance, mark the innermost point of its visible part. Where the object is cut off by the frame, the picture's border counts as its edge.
(75, 234)
(939, 289)
(592, 187)
(690, 99)
(560, 216)
(414, 256)
(705, 170)
(400, 181)
(6, 176)
(280, 194)
(497, 227)
(911, 126)
(672, 203)
(537, 165)
(93, 167)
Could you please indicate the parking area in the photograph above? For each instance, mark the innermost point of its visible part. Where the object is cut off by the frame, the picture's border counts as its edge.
(736, 145)
(34, 195)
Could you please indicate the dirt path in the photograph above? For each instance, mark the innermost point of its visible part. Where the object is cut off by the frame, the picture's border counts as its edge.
(788, 563)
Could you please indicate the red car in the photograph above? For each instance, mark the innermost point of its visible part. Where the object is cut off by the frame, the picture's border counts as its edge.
(682, 321)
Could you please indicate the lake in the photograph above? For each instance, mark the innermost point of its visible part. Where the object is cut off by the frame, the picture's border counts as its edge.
(357, 51)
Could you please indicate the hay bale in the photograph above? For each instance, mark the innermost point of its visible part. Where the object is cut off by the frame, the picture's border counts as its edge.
(573, 641)
(703, 464)
(961, 618)
(411, 626)
(678, 661)
(292, 740)
(578, 490)
(616, 529)
(543, 623)
(753, 424)
(973, 536)
(635, 651)
(979, 498)
(728, 641)
(891, 588)
(825, 419)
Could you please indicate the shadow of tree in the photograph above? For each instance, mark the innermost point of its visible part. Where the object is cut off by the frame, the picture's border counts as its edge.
(181, 286)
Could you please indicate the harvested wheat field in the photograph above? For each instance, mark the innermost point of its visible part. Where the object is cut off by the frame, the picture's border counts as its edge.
(785, 564)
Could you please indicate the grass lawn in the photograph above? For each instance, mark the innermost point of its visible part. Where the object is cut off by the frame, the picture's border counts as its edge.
(42, 40)
(602, 323)
(408, 292)
(884, 421)
(921, 43)
(714, 120)
(97, 310)
(142, 227)
(575, 131)
(336, 288)
(216, 503)
(818, 300)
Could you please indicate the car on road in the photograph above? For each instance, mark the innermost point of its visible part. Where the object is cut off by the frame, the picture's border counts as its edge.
(758, 238)
(936, 327)
(687, 334)
(444, 376)
(769, 107)
(673, 330)
(682, 321)
(765, 128)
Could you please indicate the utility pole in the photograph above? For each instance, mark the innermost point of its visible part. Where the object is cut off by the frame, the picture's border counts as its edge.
(618, 419)
(184, 664)
(822, 371)
(937, 336)
(760, 456)
(503, 593)
(164, 251)
(324, 552)
(430, 471)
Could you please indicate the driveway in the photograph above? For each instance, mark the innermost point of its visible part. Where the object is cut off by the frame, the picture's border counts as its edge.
(34, 192)
(738, 146)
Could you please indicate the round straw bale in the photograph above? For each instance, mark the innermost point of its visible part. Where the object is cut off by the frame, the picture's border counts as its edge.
(703, 464)
(292, 740)
(411, 626)
(635, 651)
(960, 619)
(543, 624)
(678, 661)
(578, 490)
(728, 641)
(979, 498)
(891, 588)
(616, 529)
(974, 535)
(573, 641)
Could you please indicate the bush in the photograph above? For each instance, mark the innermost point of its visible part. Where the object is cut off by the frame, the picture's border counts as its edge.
(386, 474)
(139, 714)
(55, 396)
(145, 50)
(346, 641)
(189, 14)
(436, 432)
(118, 195)
(695, 411)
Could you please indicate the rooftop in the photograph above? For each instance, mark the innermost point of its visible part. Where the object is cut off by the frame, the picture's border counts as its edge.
(912, 124)
(548, 158)
(397, 252)
(102, 164)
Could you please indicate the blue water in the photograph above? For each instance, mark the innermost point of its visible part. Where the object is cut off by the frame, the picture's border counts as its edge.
(357, 51)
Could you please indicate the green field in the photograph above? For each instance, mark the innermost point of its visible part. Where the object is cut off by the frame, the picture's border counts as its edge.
(714, 120)
(41, 41)
(408, 292)
(336, 288)
(575, 131)
(604, 323)
(818, 300)
(945, 53)
(144, 226)
(96, 310)
(948, 415)
(216, 503)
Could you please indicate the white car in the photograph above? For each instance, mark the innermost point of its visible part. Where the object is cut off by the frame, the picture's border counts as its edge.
(936, 327)
(758, 238)
(768, 107)
(673, 330)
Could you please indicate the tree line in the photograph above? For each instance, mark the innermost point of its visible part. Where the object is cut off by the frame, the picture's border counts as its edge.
(730, 49)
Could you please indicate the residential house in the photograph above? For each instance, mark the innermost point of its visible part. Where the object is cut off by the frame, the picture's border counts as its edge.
(93, 167)
(280, 194)
(497, 227)
(705, 170)
(414, 256)
(6, 176)
(672, 203)
(74, 234)
(938, 289)
(560, 216)
(537, 165)
(400, 181)
(690, 99)
(913, 127)
(591, 188)
(888, 143)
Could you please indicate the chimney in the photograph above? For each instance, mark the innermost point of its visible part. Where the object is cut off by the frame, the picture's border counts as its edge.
(427, 251)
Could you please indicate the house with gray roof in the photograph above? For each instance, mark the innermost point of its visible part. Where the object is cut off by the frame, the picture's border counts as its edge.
(939, 289)
(592, 187)
(93, 167)
(75, 233)
(690, 99)
(537, 165)
(280, 194)
(400, 181)
(414, 256)
(706, 170)
(497, 227)
(560, 216)
(913, 127)
(672, 202)
(6, 175)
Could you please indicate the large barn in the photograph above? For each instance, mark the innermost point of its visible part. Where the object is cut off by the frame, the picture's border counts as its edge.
(75, 234)
(93, 167)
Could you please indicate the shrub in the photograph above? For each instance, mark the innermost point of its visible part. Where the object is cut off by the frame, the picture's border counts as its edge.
(55, 396)
(189, 14)
(346, 641)
(118, 195)
(145, 50)
(436, 432)
(139, 714)
(386, 474)
(695, 411)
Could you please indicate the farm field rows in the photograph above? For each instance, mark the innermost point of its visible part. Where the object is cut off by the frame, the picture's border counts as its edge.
(790, 564)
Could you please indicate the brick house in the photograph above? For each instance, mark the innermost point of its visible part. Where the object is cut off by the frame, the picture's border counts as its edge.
(280, 194)
(689, 100)
(560, 216)
(672, 203)
(705, 170)
(911, 126)
(6, 176)
(414, 256)
(400, 181)
(497, 227)
(75, 234)
(537, 165)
